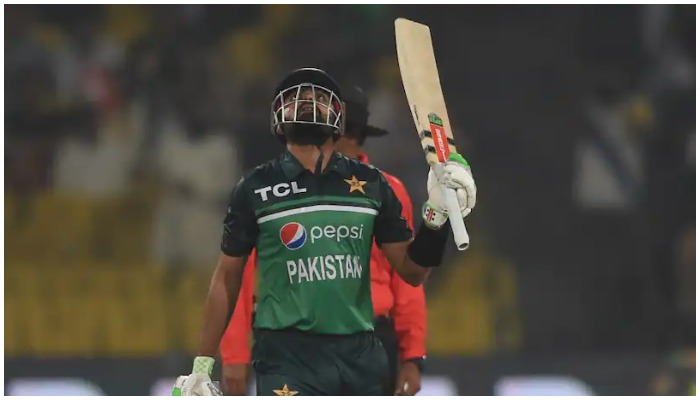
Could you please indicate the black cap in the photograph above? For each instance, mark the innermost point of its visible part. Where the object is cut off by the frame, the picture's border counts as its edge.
(357, 113)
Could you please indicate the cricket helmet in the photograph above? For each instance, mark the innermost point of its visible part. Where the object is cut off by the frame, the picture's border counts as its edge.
(310, 99)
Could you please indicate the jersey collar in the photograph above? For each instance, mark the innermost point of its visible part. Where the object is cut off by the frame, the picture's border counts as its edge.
(292, 168)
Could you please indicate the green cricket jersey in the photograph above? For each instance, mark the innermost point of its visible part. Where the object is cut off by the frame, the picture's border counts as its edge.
(313, 235)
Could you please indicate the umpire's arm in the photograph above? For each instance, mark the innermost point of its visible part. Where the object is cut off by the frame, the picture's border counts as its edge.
(409, 312)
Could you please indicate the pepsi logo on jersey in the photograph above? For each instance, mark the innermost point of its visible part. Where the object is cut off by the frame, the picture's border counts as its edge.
(293, 235)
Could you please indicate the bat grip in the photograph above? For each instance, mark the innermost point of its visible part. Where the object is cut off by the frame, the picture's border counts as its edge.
(459, 230)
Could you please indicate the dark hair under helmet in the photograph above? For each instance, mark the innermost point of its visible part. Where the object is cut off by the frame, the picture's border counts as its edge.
(301, 99)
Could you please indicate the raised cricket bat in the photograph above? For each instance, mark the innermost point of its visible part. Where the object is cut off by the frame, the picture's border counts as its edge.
(421, 81)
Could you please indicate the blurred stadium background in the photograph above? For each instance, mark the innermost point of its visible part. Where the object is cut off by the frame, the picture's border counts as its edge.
(127, 125)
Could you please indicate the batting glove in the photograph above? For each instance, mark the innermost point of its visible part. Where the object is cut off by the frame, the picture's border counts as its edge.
(457, 175)
(198, 383)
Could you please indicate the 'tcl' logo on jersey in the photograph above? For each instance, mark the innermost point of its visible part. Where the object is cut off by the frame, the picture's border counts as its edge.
(279, 190)
(293, 235)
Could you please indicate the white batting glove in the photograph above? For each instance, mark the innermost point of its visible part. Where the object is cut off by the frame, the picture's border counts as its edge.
(457, 175)
(198, 383)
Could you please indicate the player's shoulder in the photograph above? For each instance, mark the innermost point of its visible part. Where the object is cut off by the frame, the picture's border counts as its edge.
(262, 172)
(372, 173)
(362, 170)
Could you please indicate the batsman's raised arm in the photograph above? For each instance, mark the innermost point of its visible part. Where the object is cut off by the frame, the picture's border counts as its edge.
(413, 259)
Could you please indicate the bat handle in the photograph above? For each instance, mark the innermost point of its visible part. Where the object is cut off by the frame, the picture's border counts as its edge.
(459, 230)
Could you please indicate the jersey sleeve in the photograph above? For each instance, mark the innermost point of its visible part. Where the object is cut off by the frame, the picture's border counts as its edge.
(234, 346)
(240, 226)
(390, 225)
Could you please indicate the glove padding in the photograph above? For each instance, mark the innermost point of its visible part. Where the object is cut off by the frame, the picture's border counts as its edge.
(457, 175)
(196, 385)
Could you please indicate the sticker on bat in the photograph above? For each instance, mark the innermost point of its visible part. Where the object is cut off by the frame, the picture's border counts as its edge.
(434, 119)
(429, 135)
(437, 130)
(415, 114)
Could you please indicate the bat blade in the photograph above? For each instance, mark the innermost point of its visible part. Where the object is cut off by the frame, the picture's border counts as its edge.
(421, 82)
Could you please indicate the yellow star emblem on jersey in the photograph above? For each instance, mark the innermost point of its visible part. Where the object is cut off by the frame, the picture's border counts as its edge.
(285, 391)
(356, 184)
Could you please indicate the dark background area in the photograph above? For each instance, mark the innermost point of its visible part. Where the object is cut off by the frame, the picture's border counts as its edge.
(123, 124)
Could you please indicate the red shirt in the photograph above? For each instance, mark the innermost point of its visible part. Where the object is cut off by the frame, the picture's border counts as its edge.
(391, 296)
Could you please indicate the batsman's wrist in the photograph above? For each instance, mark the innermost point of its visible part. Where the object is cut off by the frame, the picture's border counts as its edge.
(203, 365)
(433, 217)
(428, 247)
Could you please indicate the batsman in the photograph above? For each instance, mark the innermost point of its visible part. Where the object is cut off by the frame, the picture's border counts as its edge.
(313, 214)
